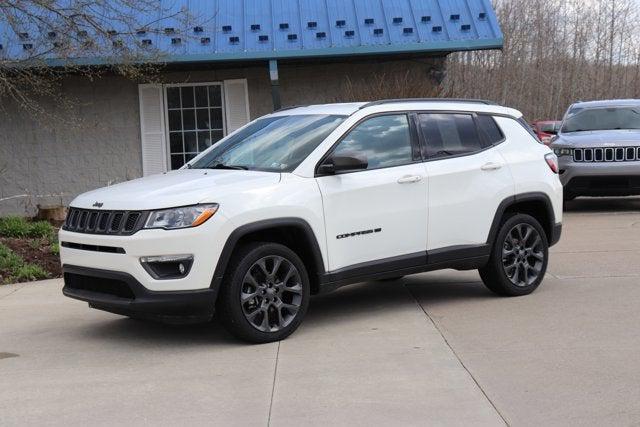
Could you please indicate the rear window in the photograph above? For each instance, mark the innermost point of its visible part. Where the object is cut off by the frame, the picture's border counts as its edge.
(449, 135)
(490, 129)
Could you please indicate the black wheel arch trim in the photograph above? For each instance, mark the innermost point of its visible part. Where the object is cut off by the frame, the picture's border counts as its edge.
(554, 229)
(263, 225)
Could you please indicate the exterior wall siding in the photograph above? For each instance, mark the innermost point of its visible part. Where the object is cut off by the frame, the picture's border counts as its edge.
(97, 142)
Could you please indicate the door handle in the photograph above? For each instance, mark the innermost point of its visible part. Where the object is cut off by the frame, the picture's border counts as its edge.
(409, 179)
(491, 166)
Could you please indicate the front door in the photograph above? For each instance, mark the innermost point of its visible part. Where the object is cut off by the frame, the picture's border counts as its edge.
(381, 212)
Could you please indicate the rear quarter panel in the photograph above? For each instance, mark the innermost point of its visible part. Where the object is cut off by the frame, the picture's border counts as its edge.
(525, 157)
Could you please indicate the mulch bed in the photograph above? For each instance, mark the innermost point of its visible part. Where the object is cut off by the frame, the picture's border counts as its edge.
(40, 255)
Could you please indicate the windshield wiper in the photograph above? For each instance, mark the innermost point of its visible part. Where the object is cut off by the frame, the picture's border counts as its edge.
(223, 166)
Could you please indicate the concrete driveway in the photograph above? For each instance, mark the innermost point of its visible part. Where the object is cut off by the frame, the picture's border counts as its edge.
(432, 349)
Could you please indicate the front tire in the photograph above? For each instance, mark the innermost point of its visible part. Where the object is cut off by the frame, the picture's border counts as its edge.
(265, 293)
(519, 257)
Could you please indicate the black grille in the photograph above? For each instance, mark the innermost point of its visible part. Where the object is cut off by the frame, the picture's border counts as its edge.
(606, 154)
(104, 222)
(99, 285)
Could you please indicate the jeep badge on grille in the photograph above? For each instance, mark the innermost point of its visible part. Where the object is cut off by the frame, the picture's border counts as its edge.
(97, 205)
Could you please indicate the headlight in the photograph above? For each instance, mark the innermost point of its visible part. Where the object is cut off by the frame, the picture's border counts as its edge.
(188, 216)
(563, 152)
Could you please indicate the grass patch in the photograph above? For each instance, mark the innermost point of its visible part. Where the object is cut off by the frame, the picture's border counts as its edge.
(29, 272)
(13, 269)
(55, 248)
(17, 227)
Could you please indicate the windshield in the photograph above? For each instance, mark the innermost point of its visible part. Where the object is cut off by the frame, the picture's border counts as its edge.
(590, 119)
(272, 144)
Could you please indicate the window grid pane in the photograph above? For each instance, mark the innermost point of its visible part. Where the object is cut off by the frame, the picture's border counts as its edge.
(195, 120)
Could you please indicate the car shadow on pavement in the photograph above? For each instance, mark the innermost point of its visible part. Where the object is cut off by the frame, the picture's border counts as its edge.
(144, 333)
(349, 303)
(364, 299)
(602, 205)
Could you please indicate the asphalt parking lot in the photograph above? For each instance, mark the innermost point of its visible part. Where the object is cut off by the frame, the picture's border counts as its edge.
(431, 349)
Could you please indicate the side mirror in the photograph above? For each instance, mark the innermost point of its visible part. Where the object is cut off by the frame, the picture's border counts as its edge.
(344, 163)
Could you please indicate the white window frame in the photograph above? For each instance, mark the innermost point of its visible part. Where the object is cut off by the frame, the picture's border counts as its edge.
(166, 112)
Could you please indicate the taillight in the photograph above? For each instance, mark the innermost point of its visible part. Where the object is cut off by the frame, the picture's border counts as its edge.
(552, 161)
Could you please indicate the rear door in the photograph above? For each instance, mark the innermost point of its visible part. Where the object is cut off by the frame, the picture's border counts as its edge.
(379, 213)
(468, 177)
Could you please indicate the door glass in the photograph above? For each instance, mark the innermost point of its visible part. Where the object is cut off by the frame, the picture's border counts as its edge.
(449, 134)
(385, 141)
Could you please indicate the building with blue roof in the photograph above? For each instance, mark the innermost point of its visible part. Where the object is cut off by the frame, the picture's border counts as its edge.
(224, 62)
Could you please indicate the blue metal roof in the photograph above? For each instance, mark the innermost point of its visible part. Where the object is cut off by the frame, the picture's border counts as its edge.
(225, 30)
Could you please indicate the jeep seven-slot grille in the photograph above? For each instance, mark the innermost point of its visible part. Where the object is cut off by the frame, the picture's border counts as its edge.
(606, 154)
(103, 222)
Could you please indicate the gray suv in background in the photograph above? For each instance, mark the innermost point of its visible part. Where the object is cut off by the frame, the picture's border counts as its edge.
(598, 149)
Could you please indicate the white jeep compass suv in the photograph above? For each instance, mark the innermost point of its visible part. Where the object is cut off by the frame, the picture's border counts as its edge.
(308, 199)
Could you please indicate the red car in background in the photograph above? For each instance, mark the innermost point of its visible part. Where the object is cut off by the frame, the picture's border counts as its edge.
(546, 129)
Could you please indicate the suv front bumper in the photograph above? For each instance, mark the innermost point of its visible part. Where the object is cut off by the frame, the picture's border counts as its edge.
(121, 293)
(599, 178)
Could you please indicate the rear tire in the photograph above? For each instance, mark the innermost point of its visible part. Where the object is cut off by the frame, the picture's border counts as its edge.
(519, 257)
(265, 293)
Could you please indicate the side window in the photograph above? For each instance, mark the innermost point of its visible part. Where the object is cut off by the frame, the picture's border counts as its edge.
(449, 135)
(490, 129)
(384, 140)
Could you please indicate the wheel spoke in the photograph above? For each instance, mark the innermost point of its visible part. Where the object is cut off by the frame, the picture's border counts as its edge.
(262, 293)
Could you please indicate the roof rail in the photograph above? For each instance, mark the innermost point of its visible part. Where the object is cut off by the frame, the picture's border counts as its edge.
(395, 101)
(290, 107)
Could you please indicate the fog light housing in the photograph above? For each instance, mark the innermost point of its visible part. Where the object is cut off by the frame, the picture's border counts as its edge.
(166, 267)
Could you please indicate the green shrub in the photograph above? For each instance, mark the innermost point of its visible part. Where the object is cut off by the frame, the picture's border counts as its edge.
(9, 260)
(13, 226)
(40, 229)
(55, 248)
(28, 272)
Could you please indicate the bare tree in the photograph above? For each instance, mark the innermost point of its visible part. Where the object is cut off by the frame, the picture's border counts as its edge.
(46, 40)
(555, 52)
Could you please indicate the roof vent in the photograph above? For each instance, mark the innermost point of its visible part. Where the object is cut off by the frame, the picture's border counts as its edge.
(255, 27)
(312, 24)
(465, 27)
(112, 33)
(292, 37)
(82, 33)
(369, 21)
(482, 15)
(169, 30)
(147, 42)
(198, 29)
(407, 31)
(349, 33)
(141, 32)
(455, 17)
(234, 40)
(321, 35)
(426, 18)
(118, 43)
(27, 46)
(58, 45)
(341, 23)
(23, 36)
(397, 20)
(226, 28)
(176, 40)
(52, 34)
(263, 38)
(378, 32)
(437, 29)
(284, 26)
(205, 40)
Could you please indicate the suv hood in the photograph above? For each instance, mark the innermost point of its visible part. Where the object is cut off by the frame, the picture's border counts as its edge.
(602, 138)
(177, 188)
